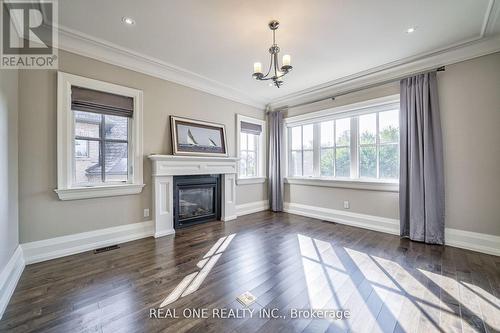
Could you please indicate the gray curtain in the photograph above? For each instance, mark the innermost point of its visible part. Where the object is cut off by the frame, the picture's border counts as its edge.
(276, 165)
(421, 184)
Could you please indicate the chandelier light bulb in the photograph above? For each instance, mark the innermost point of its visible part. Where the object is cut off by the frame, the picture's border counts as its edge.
(286, 60)
(257, 67)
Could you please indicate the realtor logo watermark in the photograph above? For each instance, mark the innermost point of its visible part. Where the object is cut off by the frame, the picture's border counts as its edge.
(29, 35)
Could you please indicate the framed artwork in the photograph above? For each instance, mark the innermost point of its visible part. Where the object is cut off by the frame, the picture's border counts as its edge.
(197, 138)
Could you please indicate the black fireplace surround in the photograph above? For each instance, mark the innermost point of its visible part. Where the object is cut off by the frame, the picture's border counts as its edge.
(196, 199)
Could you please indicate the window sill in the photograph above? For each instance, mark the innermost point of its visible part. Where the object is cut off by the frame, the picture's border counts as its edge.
(78, 193)
(348, 183)
(248, 181)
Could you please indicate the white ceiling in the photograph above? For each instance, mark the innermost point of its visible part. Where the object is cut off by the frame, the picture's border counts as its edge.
(327, 39)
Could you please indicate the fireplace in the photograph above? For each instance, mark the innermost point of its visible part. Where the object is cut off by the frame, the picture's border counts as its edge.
(196, 199)
(167, 167)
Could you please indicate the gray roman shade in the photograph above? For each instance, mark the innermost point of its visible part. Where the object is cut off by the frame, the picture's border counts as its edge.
(88, 100)
(251, 128)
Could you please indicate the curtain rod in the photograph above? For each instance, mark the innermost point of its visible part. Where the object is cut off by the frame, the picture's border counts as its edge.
(439, 69)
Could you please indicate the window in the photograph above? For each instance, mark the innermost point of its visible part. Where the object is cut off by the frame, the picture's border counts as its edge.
(251, 149)
(99, 139)
(301, 157)
(379, 145)
(106, 138)
(354, 142)
(335, 147)
(248, 154)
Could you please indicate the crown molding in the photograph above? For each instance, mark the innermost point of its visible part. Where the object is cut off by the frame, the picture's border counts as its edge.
(491, 16)
(393, 71)
(485, 43)
(91, 47)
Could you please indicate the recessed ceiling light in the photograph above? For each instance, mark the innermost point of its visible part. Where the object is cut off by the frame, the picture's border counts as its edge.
(410, 30)
(128, 20)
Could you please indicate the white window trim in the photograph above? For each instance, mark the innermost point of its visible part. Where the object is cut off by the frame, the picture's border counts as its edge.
(345, 183)
(369, 106)
(250, 180)
(65, 128)
(261, 158)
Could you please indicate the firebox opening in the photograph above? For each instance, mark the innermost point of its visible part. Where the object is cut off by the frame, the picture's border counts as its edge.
(196, 199)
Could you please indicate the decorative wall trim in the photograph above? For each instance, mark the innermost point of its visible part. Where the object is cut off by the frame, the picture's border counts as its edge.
(349, 184)
(88, 46)
(379, 104)
(71, 244)
(252, 207)
(473, 48)
(490, 18)
(175, 165)
(98, 191)
(9, 277)
(474, 241)
(250, 181)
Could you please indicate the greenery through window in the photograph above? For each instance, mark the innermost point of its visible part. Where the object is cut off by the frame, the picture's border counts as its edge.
(302, 153)
(379, 145)
(335, 148)
(364, 146)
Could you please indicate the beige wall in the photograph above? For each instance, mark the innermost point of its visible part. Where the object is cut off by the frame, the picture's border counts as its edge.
(470, 109)
(9, 238)
(470, 113)
(469, 94)
(42, 214)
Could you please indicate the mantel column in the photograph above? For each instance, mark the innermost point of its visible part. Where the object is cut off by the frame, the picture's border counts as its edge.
(228, 197)
(163, 205)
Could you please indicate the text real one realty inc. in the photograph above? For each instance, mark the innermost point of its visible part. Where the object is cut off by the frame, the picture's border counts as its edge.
(224, 313)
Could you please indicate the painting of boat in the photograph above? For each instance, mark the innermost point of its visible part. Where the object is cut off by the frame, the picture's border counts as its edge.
(192, 137)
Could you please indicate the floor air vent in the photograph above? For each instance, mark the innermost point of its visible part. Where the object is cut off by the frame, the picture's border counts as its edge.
(107, 248)
(246, 298)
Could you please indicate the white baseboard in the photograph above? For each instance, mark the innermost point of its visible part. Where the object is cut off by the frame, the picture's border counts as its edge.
(67, 245)
(252, 207)
(371, 222)
(9, 277)
(474, 241)
(164, 233)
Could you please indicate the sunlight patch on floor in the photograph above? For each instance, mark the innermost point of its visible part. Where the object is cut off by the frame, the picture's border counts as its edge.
(193, 281)
(490, 305)
(366, 300)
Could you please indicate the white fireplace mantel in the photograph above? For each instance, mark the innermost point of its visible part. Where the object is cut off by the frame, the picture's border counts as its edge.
(165, 167)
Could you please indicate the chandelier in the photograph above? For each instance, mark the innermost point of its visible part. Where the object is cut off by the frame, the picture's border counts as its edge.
(275, 72)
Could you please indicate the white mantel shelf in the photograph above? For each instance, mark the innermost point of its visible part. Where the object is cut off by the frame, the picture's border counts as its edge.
(165, 167)
(157, 157)
(172, 165)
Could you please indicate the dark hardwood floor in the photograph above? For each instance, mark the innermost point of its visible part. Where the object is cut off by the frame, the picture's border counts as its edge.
(288, 262)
